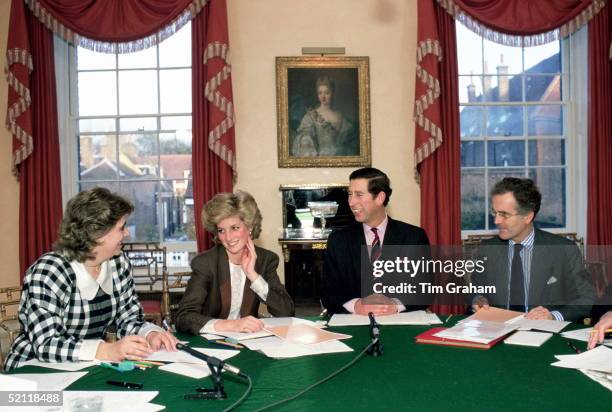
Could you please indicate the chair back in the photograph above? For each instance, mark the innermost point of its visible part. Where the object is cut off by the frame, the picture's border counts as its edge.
(9, 324)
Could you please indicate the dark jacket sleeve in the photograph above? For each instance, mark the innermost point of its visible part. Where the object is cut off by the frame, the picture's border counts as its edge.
(189, 317)
(278, 301)
(334, 291)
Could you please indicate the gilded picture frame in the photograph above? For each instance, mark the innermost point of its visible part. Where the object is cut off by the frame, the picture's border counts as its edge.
(323, 111)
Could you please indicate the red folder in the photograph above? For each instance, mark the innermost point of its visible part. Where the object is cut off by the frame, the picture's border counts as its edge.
(429, 338)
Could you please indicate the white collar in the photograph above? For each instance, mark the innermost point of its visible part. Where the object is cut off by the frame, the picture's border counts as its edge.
(88, 286)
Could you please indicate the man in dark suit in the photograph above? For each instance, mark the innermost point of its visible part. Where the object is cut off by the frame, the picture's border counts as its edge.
(533, 271)
(368, 194)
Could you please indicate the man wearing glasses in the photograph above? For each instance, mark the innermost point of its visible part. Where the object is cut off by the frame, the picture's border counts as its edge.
(533, 271)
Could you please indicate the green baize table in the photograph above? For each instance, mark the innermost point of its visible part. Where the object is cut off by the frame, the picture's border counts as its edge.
(407, 377)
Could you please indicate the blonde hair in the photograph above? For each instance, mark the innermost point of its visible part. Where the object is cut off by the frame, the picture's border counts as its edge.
(224, 205)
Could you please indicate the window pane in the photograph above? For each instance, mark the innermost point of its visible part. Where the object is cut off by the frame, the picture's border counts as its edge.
(146, 58)
(97, 94)
(91, 60)
(473, 191)
(502, 59)
(143, 222)
(506, 153)
(97, 125)
(175, 91)
(505, 121)
(545, 120)
(175, 155)
(471, 120)
(176, 123)
(138, 124)
(138, 158)
(543, 88)
(543, 59)
(470, 89)
(547, 152)
(472, 154)
(112, 186)
(178, 212)
(97, 157)
(503, 88)
(469, 51)
(175, 51)
(551, 182)
(138, 92)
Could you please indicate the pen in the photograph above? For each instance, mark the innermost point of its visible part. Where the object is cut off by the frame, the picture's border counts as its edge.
(165, 325)
(123, 384)
(571, 345)
(149, 362)
(449, 316)
(233, 345)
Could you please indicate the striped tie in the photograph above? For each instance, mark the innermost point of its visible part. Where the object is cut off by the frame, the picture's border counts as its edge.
(376, 250)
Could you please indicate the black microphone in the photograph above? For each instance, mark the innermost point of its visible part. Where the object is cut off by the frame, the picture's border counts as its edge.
(210, 360)
(374, 329)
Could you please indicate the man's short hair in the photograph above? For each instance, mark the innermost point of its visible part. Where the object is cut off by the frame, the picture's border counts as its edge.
(527, 195)
(378, 181)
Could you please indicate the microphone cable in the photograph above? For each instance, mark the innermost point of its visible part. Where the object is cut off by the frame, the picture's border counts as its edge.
(314, 385)
(244, 395)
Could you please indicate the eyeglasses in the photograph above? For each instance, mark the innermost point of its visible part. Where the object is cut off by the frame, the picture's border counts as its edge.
(503, 215)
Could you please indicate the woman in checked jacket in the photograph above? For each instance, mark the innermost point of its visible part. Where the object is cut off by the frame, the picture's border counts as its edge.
(73, 295)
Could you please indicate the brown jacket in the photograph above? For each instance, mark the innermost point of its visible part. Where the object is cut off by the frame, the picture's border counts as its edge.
(208, 293)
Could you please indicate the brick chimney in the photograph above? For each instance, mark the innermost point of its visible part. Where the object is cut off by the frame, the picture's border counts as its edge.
(502, 80)
(486, 84)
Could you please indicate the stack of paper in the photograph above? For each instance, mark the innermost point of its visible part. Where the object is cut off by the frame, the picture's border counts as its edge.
(511, 317)
(268, 322)
(477, 331)
(187, 365)
(545, 325)
(583, 335)
(305, 334)
(62, 366)
(598, 359)
(418, 317)
(526, 338)
(275, 347)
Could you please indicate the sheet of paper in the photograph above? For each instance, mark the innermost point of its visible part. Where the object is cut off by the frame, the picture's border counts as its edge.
(528, 338)
(268, 322)
(183, 357)
(417, 317)
(305, 334)
(116, 401)
(210, 336)
(16, 383)
(293, 350)
(598, 359)
(52, 381)
(494, 314)
(191, 370)
(545, 325)
(477, 331)
(583, 335)
(62, 366)
(602, 378)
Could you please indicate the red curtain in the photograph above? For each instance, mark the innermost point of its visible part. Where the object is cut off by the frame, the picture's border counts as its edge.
(523, 17)
(110, 20)
(440, 169)
(599, 220)
(213, 133)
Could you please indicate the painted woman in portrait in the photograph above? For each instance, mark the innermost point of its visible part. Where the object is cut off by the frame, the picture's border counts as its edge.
(325, 131)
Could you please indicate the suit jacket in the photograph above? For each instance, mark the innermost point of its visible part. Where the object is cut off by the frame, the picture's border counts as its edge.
(558, 279)
(208, 293)
(343, 261)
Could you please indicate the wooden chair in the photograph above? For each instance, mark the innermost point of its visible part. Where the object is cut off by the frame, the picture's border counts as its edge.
(9, 323)
(176, 289)
(150, 275)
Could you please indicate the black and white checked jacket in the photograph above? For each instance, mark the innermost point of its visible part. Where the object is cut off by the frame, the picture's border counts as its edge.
(53, 317)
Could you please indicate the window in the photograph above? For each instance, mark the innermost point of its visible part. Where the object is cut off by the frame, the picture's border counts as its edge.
(132, 114)
(514, 105)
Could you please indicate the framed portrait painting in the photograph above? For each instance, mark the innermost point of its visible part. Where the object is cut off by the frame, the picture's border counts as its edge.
(323, 111)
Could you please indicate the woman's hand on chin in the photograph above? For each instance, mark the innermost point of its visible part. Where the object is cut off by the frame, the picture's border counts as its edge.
(247, 324)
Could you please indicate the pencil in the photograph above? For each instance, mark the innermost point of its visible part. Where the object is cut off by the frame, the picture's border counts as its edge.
(605, 331)
(222, 342)
(449, 316)
(148, 362)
